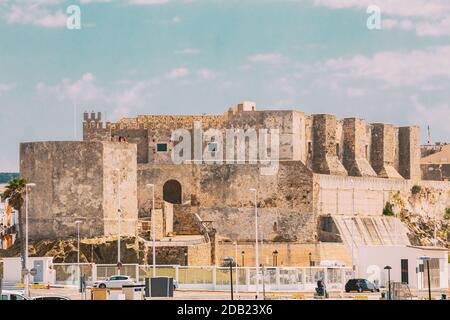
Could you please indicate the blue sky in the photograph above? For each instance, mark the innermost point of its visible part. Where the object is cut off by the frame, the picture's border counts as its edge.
(202, 56)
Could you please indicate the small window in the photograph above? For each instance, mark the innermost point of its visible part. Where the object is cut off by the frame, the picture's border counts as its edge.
(367, 152)
(161, 147)
(337, 149)
(212, 147)
(309, 147)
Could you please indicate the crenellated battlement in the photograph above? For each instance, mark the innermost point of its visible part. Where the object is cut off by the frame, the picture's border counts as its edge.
(94, 129)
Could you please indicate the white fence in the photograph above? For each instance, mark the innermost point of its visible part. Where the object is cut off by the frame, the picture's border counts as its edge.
(214, 278)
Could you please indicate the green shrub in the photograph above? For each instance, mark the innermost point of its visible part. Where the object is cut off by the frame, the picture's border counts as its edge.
(388, 209)
(416, 189)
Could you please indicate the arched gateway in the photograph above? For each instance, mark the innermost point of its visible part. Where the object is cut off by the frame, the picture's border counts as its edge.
(172, 192)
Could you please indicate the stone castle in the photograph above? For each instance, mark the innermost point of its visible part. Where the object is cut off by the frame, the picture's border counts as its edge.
(334, 175)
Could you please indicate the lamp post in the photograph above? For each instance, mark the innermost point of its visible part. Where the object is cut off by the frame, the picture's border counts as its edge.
(119, 218)
(78, 222)
(236, 259)
(427, 260)
(389, 268)
(275, 255)
(229, 260)
(256, 242)
(264, 282)
(27, 277)
(153, 229)
(310, 265)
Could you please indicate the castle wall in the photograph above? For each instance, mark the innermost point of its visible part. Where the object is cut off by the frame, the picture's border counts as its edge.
(338, 195)
(356, 148)
(72, 182)
(220, 192)
(120, 156)
(409, 152)
(94, 129)
(68, 178)
(289, 254)
(382, 155)
(325, 141)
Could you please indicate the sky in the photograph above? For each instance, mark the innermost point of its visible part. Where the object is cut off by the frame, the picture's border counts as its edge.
(134, 57)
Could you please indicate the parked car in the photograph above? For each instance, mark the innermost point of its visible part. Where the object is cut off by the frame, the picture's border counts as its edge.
(13, 295)
(360, 285)
(114, 282)
(50, 298)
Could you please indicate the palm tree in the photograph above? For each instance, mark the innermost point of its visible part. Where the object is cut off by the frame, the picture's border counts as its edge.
(14, 193)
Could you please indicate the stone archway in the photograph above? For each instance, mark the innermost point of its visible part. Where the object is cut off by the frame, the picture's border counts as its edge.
(172, 192)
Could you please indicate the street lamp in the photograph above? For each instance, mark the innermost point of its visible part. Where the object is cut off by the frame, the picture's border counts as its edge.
(27, 277)
(119, 218)
(256, 242)
(427, 259)
(389, 268)
(275, 255)
(236, 259)
(229, 260)
(310, 265)
(78, 222)
(149, 185)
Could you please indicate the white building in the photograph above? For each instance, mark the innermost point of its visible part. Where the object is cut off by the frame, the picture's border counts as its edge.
(407, 265)
(12, 269)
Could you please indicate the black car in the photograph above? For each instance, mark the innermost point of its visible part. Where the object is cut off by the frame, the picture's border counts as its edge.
(51, 298)
(360, 285)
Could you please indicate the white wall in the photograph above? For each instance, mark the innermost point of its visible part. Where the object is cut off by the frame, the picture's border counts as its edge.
(373, 259)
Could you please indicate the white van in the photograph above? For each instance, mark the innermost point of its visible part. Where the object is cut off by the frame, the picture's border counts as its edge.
(13, 295)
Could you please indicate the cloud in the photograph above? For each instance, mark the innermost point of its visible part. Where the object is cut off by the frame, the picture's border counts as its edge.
(401, 8)
(428, 18)
(176, 19)
(6, 87)
(121, 96)
(393, 69)
(177, 73)
(207, 74)
(34, 12)
(436, 116)
(148, 2)
(83, 89)
(187, 52)
(268, 58)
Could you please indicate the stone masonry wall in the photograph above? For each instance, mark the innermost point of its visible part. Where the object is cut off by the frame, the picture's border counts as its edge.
(382, 154)
(75, 180)
(219, 190)
(68, 178)
(325, 157)
(409, 152)
(356, 147)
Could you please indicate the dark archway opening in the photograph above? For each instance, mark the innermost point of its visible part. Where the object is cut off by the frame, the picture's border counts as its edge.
(172, 192)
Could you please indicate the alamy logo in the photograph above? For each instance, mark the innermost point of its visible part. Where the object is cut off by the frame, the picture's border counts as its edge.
(74, 17)
(374, 20)
(240, 146)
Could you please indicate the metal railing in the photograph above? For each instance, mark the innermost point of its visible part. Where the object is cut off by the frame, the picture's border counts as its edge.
(214, 278)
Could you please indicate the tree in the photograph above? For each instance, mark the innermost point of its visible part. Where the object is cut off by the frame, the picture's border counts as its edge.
(14, 193)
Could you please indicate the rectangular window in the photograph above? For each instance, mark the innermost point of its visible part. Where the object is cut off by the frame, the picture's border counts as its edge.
(212, 147)
(161, 147)
(404, 270)
(310, 148)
